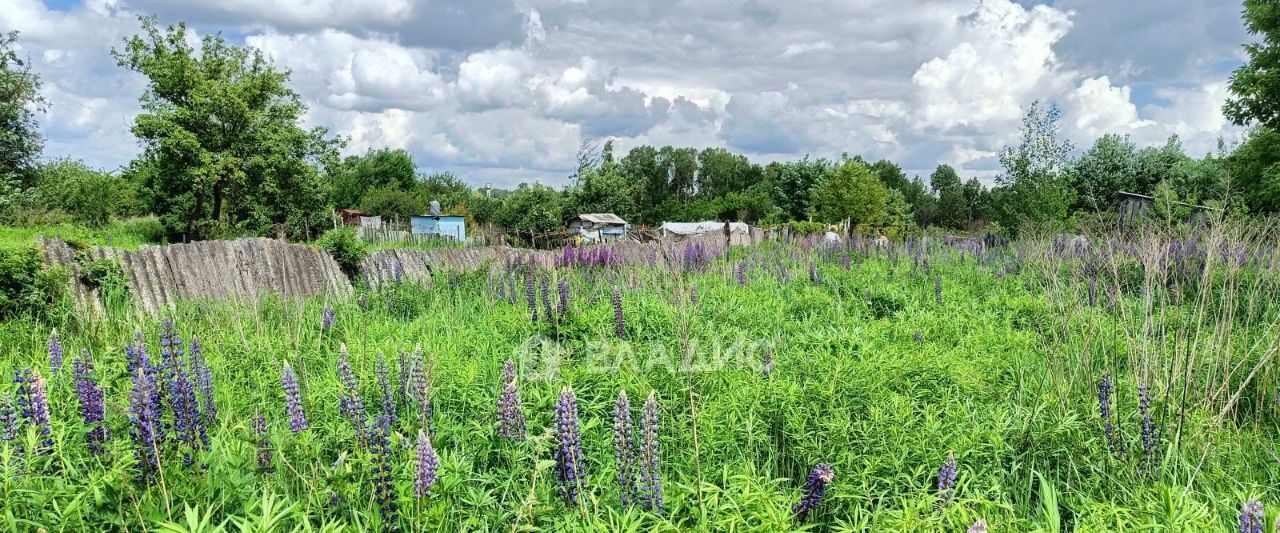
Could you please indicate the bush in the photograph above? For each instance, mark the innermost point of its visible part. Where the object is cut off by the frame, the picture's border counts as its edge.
(104, 274)
(346, 249)
(804, 227)
(26, 287)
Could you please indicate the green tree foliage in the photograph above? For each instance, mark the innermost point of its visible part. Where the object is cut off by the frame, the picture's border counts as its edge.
(897, 209)
(977, 201)
(890, 174)
(20, 140)
(951, 210)
(443, 187)
(851, 191)
(721, 172)
(1103, 171)
(357, 175)
(792, 183)
(1034, 188)
(92, 196)
(532, 209)
(222, 148)
(393, 203)
(1255, 170)
(603, 189)
(1255, 86)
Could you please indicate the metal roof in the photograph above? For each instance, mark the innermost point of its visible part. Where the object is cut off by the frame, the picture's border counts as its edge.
(602, 218)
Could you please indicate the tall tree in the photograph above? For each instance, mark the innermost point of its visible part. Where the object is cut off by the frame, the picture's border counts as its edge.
(644, 170)
(851, 192)
(1033, 188)
(721, 172)
(791, 185)
(1255, 86)
(1103, 171)
(951, 209)
(682, 171)
(223, 151)
(20, 140)
(890, 174)
(359, 174)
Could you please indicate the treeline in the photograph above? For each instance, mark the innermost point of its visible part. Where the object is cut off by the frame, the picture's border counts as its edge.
(224, 154)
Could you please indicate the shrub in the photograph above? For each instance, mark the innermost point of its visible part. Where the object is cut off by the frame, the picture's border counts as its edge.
(346, 249)
(26, 287)
(805, 227)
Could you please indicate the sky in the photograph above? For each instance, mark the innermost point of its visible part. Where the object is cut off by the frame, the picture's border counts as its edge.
(506, 91)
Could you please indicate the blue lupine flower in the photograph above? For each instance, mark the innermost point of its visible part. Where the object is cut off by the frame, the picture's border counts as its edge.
(814, 488)
(293, 399)
(571, 468)
(427, 466)
(650, 460)
(624, 450)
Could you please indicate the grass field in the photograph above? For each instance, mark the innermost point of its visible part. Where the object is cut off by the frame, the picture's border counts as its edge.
(763, 364)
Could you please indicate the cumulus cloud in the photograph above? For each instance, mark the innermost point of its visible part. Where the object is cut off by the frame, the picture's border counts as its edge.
(506, 90)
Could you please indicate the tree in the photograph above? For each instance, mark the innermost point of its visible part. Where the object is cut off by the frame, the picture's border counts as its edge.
(649, 178)
(897, 210)
(851, 192)
(721, 172)
(1033, 188)
(20, 140)
(91, 196)
(1103, 171)
(531, 210)
(977, 201)
(443, 187)
(392, 203)
(791, 185)
(951, 209)
(222, 148)
(890, 174)
(1255, 86)
(603, 190)
(1255, 170)
(1156, 163)
(359, 174)
(682, 170)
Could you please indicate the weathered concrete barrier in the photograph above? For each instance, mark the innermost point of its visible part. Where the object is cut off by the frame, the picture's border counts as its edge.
(159, 276)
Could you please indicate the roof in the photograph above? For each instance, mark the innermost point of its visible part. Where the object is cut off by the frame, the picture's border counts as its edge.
(1151, 199)
(698, 228)
(352, 212)
(438, 216)
(602, 218)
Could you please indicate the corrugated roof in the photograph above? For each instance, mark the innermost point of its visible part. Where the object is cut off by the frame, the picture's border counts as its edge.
(602, 218)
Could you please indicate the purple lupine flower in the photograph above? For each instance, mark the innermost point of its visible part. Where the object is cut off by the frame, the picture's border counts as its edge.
(328, 318)
(845, 262)
(33, 402)
(384, 386)
(293, 399)
(420, 390)
(144, 421)
(978, 527)
(739, 273)
(917, 337)
(55, 353)
(947, 480)
(92, 408)
(571, 468)
(814, 276)
(619, 321)
(531, 296)
(135, 354)
(204, 384)
(427, 466)
(511, 422)
(384, 487)
(1093, 292)
(624, 449)
(180, 392)
(693, 295)
(1150, 433)
(1251, 517)
(650, 460)
(766, 363)
(405, 364)
(264, 454)
(8, 418)
(814, 488)
(563, 306)
(1105, 389)
(937, 289)
(546, 298)
(349, 403)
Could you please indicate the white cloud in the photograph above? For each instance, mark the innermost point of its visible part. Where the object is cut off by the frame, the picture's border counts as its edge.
(795, 49)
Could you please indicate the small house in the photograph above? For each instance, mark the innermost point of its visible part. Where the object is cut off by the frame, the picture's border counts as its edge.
(739, 232)
(598, 227)
(351, 217)
(452, 226)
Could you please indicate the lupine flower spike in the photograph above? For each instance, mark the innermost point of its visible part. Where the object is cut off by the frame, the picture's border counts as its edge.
(427, 465)
(571, 469)
(511, 421)
(144, 422)
(264, 443)
(814, 488)
(947, 480)
(92, 408)
(293, 399)
(978, 527)
(1251, 517)
(619, 321)
(1150, 433)
(650, 461)
(383, 482)
(55, 353)
(624, 450)
(1105, 390)
(349, 403)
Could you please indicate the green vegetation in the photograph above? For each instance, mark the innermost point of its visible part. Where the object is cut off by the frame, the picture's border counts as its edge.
(880, 368)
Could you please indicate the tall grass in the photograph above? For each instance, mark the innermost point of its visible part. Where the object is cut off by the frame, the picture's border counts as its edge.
(1004, 375)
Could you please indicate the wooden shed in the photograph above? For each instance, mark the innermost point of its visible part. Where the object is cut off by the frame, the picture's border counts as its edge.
(598, 227)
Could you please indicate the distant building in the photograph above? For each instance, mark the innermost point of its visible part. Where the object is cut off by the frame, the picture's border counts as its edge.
(1134, 206)
(739, 232)
(351, 217)
(452, 226)
(598, 227)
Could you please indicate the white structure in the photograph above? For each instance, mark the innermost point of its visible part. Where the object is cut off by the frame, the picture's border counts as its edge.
(739, 232)
(599, 227)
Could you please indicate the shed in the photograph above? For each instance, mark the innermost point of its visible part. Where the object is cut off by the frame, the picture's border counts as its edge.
(452, 226)
(739, 232)
(351, 217)
(1134, 206)
(598, 227)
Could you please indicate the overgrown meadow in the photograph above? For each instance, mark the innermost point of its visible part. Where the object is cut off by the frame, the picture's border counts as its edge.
(1115, 383)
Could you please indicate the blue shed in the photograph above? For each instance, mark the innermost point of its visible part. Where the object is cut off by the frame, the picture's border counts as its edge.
(452, 226)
